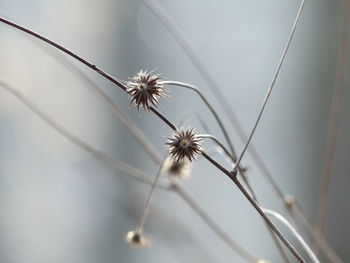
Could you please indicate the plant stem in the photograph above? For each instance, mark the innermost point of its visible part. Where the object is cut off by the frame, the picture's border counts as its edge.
(218, 142)
(149, 197)
(65, 50)
(285, 51)
(210, 107)
(233, 177)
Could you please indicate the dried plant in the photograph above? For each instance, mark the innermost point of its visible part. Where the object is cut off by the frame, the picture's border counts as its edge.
(184, 145)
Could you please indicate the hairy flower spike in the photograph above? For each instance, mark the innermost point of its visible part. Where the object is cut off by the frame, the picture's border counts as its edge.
(136, 239)
(145, 89)
(185, 144)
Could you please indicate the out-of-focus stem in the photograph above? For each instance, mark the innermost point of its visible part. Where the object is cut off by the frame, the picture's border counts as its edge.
(342, 75)
(294, 232)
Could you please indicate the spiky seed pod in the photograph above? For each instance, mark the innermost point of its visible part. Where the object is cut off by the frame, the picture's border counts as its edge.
(136, 239)
(145, 89)
(177, 169)
(185, 144)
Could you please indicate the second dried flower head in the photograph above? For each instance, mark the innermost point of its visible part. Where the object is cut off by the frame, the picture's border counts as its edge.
(185, 144)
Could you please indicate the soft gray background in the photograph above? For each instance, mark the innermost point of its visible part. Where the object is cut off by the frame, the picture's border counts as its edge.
(59, 204)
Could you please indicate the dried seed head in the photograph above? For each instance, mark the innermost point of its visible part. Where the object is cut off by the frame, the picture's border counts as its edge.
(145, 89)
(136, 239)
(177, 169)
(185, 144)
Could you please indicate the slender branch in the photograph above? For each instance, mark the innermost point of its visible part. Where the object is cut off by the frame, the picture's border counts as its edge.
(63, 49)
(210, 107)
(273, 227)
(245, 178)
(149, 197)
(154, 184)
(218, 142)
(233, 177)
(338, 91)
(294, 232)
(285, 51)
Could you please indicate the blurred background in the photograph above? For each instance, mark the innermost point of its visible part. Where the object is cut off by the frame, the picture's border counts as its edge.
(60, 204)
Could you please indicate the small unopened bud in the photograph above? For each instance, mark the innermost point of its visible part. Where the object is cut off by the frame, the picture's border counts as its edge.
(289, 200)
(136, 239)
(177, 169)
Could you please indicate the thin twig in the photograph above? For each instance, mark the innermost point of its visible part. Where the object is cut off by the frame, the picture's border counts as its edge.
(210, 107)
(154, 184)
(285, 51)
(219, 143)
(233, 177)
(251, 190)
(118, 112)
(149, 197)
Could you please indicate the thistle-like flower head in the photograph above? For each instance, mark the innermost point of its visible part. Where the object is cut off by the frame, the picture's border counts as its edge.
(136, 239)
(184, 144)
(145, 89)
